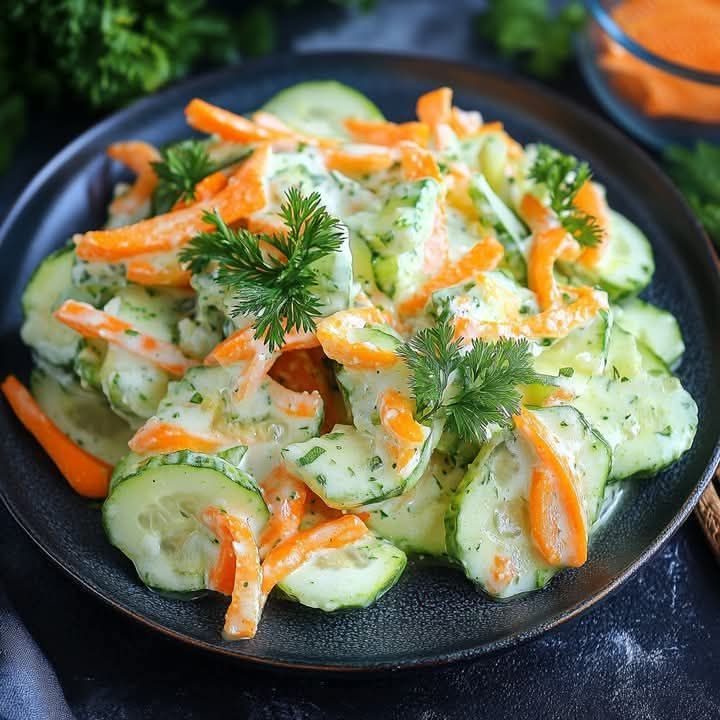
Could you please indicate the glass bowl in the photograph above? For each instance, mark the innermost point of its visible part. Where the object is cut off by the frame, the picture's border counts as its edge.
(659, 101)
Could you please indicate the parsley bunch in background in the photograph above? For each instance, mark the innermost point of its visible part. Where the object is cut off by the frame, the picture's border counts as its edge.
(529, 29)
(105, 53)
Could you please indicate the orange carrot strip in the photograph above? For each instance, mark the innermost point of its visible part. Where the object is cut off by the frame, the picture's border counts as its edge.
(93, 323)
(536, 215)
(483, 256)
(557, 521)
(502, 573)
(146, 272)
(547, 246)
(355, 163)
(295, 404)
(157, 436)
(229, 126)
(466, 124)
(208, 187)
(221, 576)
(435, 251)
(244, 195)
(296, 550)
(417, 162)
(243, 614)
(589, 199)
(242, 345)
(435, 106)
(396, 417)
(138, 156)
(307, 371)
(335, 334)
(285, 495)
(553, 323)
(375, 132)
(86, 474)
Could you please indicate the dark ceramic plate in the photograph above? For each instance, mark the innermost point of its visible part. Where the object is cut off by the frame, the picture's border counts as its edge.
(433, 615)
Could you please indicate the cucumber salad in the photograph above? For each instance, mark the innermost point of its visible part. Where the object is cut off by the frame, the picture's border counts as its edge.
(311, 342)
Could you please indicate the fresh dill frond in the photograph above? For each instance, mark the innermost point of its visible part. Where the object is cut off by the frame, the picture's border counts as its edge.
(431, 356)
(563, 176)
(276, 288)
(182, 167)
(471, 390)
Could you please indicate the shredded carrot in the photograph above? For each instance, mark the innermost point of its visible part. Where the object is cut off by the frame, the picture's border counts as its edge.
(307, 371)
(355, 163)
(435, 250)
(244, 195)
(86, 474)
(556, 322)
(221, 576)
(546, 248)
(243, 614)
(468, 123)
(434, 109)
(417, 162)
(375, 132)
(396, 417)
(285, 495)
(296, 550)
(536, 215)
(242, 345)
(295, 404)
(590, 200)
(483, 256)
(207, 188)
(557, 521)
(502, 573)
(157, 436)
(93, 323)
(335, 334)
(158, 272)
(229, 126)
(138, 156)
(685, 33)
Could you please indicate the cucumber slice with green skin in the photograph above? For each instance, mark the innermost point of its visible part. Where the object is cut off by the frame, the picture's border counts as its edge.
(154, 516)
(415, 521)
(488, 515)
(319, 107)
(649, 421)
(88, 361)
(625, 268)
(650, 362)
(98, 280)
(584, 350)
(354, 576)
(50, 285)
(623, 356)
(348, 468)
(656, 328)
(83, 415)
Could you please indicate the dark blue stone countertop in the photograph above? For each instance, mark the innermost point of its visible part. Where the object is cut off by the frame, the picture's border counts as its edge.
(650, 651)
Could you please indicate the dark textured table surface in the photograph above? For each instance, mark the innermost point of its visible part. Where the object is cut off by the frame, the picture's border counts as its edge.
(652, 650)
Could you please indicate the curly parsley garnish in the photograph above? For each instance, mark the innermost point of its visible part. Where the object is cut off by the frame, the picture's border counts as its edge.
(472, 390)
(278, 291)
(563, 176)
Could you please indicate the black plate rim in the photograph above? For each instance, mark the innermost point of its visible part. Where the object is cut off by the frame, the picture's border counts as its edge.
(436, 659)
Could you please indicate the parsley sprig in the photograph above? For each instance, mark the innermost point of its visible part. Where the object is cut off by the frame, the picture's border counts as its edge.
(182, 167)
(279, 292)
(472, 390)
(563, 176)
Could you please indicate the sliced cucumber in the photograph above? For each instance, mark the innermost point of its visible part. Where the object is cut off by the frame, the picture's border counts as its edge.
(488, 515)
(88, 361)
(584, 350)
(626, 267)
(649, 421)
(656, 328)
(319, 107)
(623, 356)
(354, 576)
(50, 285)
(83, 415)
(98, 280)
(348, 468)
(415, 521)
(154, 516)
